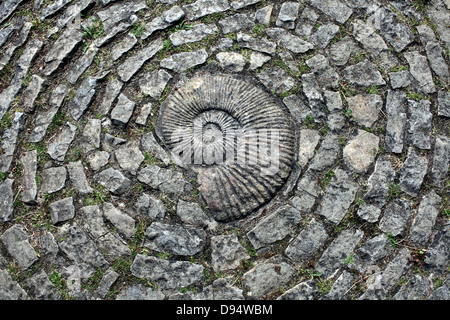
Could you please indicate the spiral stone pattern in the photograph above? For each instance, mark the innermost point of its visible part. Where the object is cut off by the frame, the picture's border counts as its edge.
(231, 189)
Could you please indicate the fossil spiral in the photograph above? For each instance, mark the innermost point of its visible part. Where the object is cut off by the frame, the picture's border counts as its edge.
(237, 137)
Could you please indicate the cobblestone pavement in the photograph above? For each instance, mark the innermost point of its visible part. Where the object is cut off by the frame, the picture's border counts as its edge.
(93, 205)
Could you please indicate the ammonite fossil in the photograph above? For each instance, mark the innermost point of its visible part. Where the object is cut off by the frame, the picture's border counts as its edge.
(237, 137)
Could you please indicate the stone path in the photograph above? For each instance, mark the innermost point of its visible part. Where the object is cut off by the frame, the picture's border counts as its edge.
(92, 206)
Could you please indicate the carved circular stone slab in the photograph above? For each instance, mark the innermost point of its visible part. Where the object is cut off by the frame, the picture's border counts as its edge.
(237, 137)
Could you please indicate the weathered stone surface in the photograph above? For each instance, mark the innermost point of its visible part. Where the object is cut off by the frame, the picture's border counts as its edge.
(239, 4)
(221, 289)
(59, 145)
(418, 126)
(396, 216)
(144, 112)
(276, 79)
(227, 253)
(437, 62)
(81, 65)
(192, 213)
(441, 160)
(417, 288)
(308, 242)
(113, 180)
(124, 46)
(44, 118)
(16, 243)
(341, 51)
(175, 239)
(167, 274)
(360, 151)
(267, 277)
(7, 7)
(123, 111)
(117, 18)
(112, 90)
(129, 157)
(436, 258)
(322, 37)
(393, 31)
(180, 62)
(289, 41)
(29, 163)
(80, 249)
(154, 83)
(6, 32)
(441, 293)
(327, 154)
(91, 219)
(61, 48)
(165, 20)
(127, 69)
(49, 246)
(6, 200)
(262, 16)
(326, 76)
(222, 44)
(31, 93)
(62, 210)
(396, 120)
(231, 61)
(236, 23)
(338, 196)
(91, 135)
(10, 289)
(98, 159)
(52, 8)
(83, 97)
(366, 35)
(421, 73)
(9, 140)
(412, 172)
(149, 144)
(313, 93)
(363, 74)
(150, 207)
(78, 177)
(111, 143)
(274, 227)
(108, 279)
(165, 180)
(298, 109)
(368, 255)
(196, 33)
(340, 287)
(22, 66)
(140, 292)
(41, 288)
(125, 224)
(307, 193)
(444, 104)
(334, 8)
(258, 44)
(378, 183)
(306, 290)
(334, 257)
(400, 79)
(288, 14)
(308, 143)
(425, 219)
(365, 108)
(389, 277)
(201, 8)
